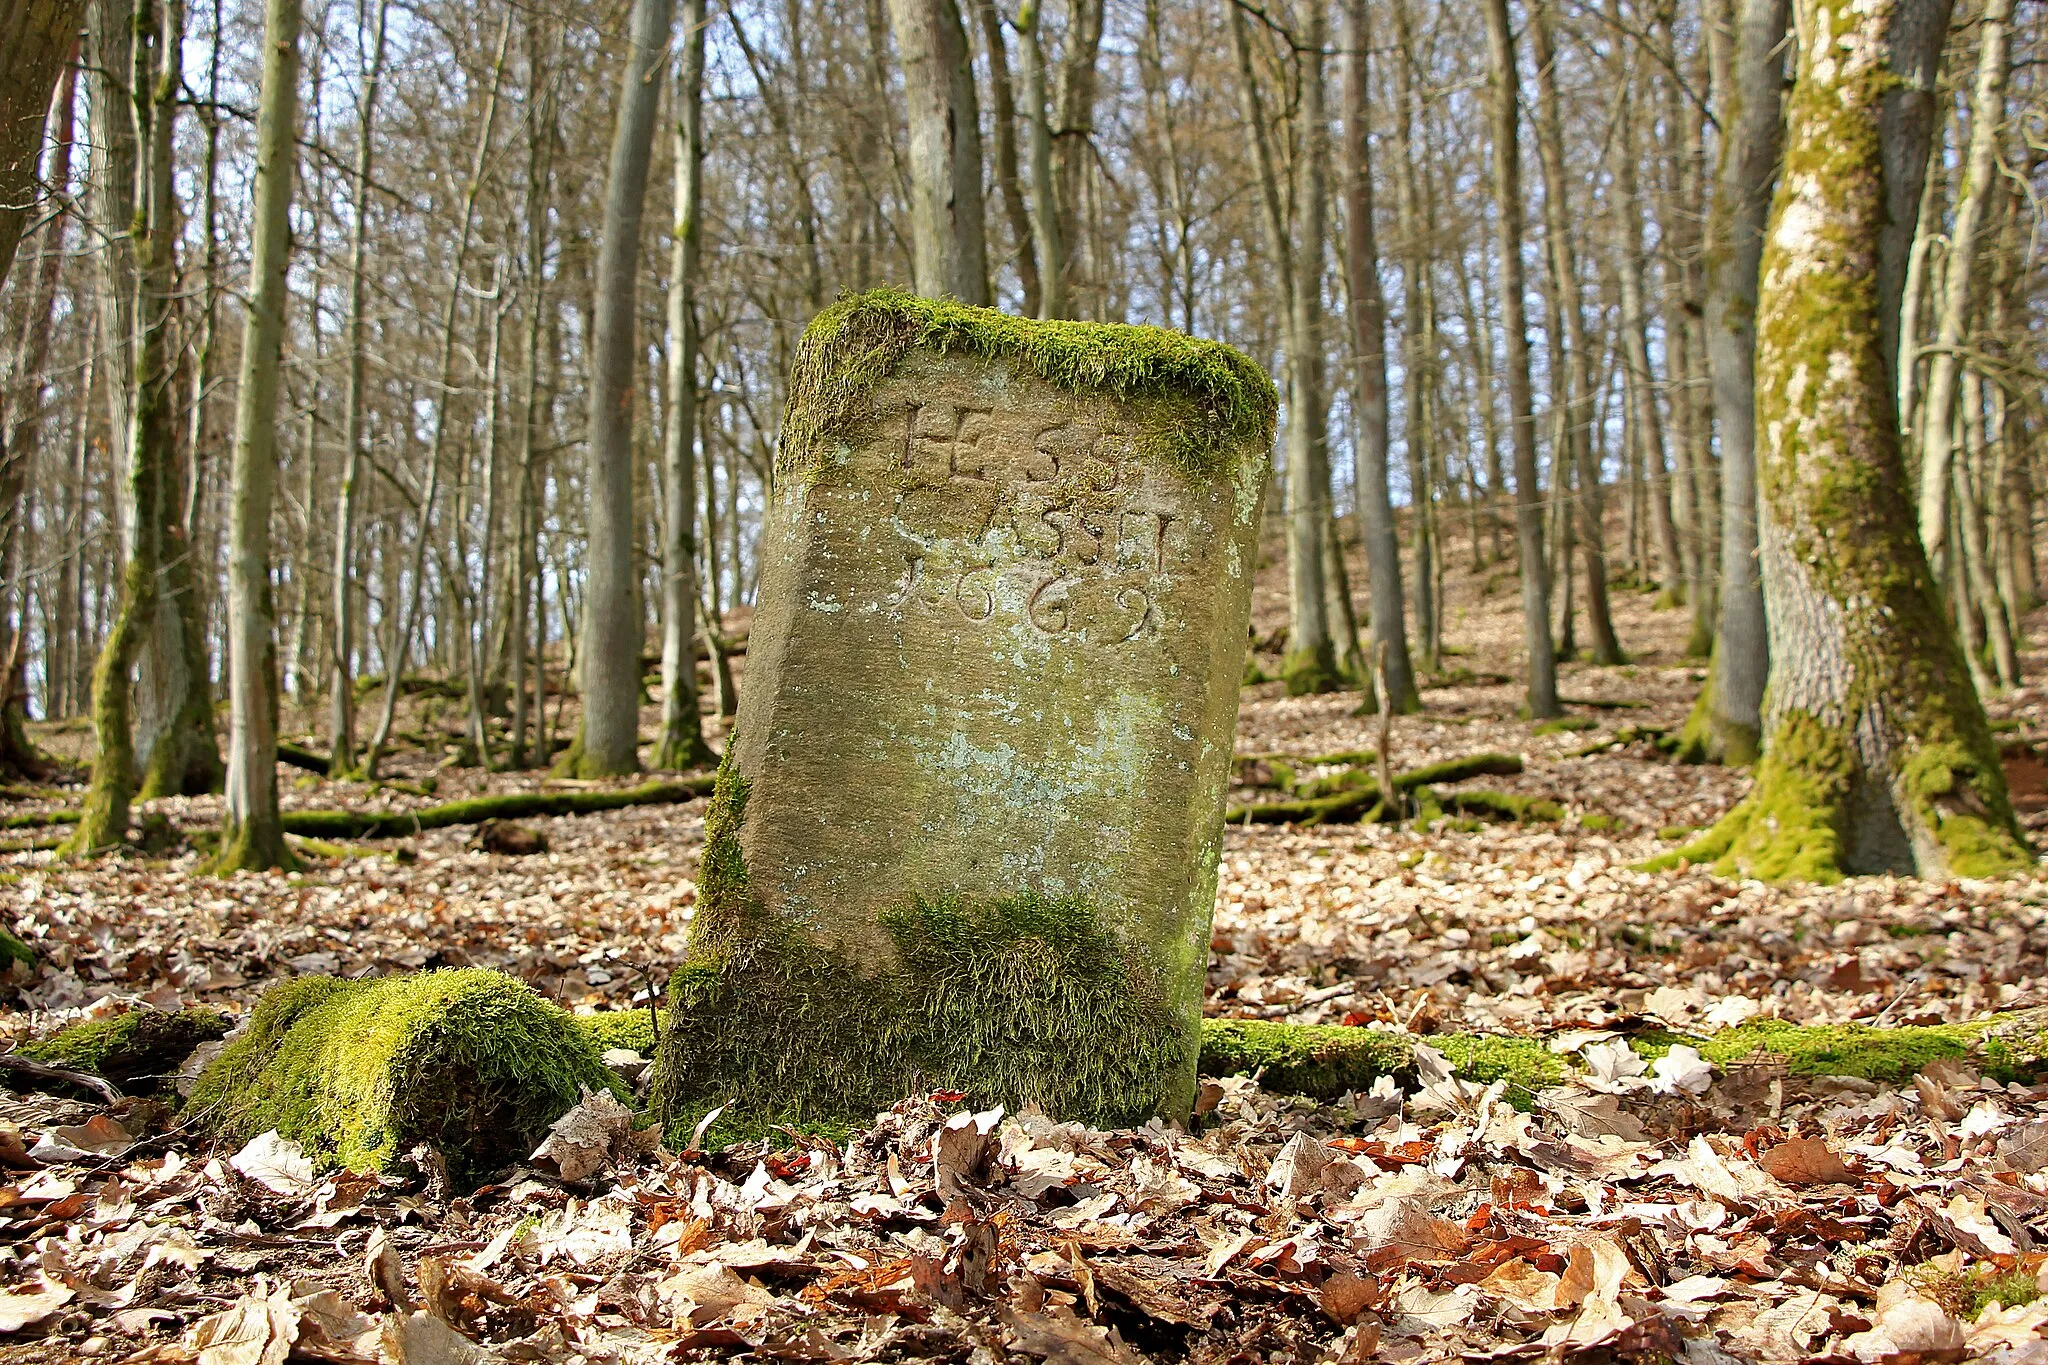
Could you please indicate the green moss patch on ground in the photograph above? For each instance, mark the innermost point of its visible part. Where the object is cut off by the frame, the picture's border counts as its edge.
(469, 1061)
(139, 1050)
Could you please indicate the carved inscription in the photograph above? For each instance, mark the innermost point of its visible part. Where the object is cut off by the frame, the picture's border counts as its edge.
(1018, 516)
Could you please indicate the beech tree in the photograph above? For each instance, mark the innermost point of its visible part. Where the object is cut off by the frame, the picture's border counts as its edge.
(252, 836)
(1877, 755)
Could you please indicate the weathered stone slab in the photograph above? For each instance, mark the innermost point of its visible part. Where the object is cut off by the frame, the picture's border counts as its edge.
(974, 797)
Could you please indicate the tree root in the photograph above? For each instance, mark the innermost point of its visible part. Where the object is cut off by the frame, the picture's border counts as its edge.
(348, 824)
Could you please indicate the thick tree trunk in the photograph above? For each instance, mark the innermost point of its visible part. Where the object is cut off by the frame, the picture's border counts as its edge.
(948, 230)
(1752, 131)
(610, 652)
(38, 37)
(682, 730)
(1878, 757)
(1503, 81)
(1369, 346)
(251, 835)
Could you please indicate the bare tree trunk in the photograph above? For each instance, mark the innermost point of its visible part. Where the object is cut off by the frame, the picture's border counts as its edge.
(1047, 244)
(342, 697)
(609, 739)
(1417, 360)
(1878, 756)
(1003, 119)
(1310, 663)
(1915, 33)
(948, 231)
(682, 730)
(1987, 120)
(1369, 346)
(1503, 83)
(1563, 260)
(251, 835)
(38, 37)
(1752, 130)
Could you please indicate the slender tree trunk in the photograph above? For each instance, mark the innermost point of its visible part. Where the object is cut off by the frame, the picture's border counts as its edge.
(682, 730)
(1915, 33)
(1417, 361)
(342, 696)
(1003, 119)
(1752, 131)
(1987, 120)
(608, 742)
(1310, 663)
(1878, 755)
(948, 230)
(1504, 116)
(1369, 345)
(1562, 257)
(251, 835)
(1047, 245)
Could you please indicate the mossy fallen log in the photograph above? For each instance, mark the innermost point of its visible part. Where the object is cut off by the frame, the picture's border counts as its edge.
(474, 810)
(1326, 1061)
(292, 756)
(139, 1051)
(470, 1062)
(37, 819)
(13, 949)
(1350, 801)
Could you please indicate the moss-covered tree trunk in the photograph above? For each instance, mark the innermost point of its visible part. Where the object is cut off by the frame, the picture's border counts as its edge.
(1878, 757)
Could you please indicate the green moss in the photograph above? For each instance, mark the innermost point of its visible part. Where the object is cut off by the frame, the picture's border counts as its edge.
(13, 950)
(1320, 1060)
(1964, 801)
(1526, 1064)
(1595, 820)
(1788, 827)
(1024, 999)
(1308, 672)
(350, 824)
(469, 1061)
(1565, 725)
(1209, 401)
(141, 1045)
(1967, 1293)
(629, 1029)
(1888, 1055)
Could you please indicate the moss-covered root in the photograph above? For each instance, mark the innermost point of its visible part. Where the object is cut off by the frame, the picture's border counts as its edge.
(1312, 670)
(12, 950)
(1797, 821)
(471, 1062)
(1357, 793)
(138, 1051)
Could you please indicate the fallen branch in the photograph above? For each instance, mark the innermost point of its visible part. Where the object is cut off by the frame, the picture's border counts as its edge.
(43, 1071)
(348, 824)
(292, 756)
(1657, 737)
(36, 819)
(1364, 793)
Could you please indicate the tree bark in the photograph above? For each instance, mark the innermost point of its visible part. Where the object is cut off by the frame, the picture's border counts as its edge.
(1752, 131)
(608, 742)
(251, 835)
(682, 730)
(1503, 81)
(1914, 35)
(948, 229)
(38, 37)
(1047, 244)
(1003, 121)
(1878, 757)
(1980, 169)
(1562, 256)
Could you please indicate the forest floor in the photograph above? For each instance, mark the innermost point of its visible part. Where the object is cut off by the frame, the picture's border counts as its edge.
(1745, 1213)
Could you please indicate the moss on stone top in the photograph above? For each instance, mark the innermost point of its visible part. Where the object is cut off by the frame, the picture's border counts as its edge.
(469, 1061)
(139, 1046)
(1215, 400)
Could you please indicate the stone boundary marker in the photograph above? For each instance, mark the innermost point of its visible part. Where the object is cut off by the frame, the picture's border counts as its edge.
(967, 830)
